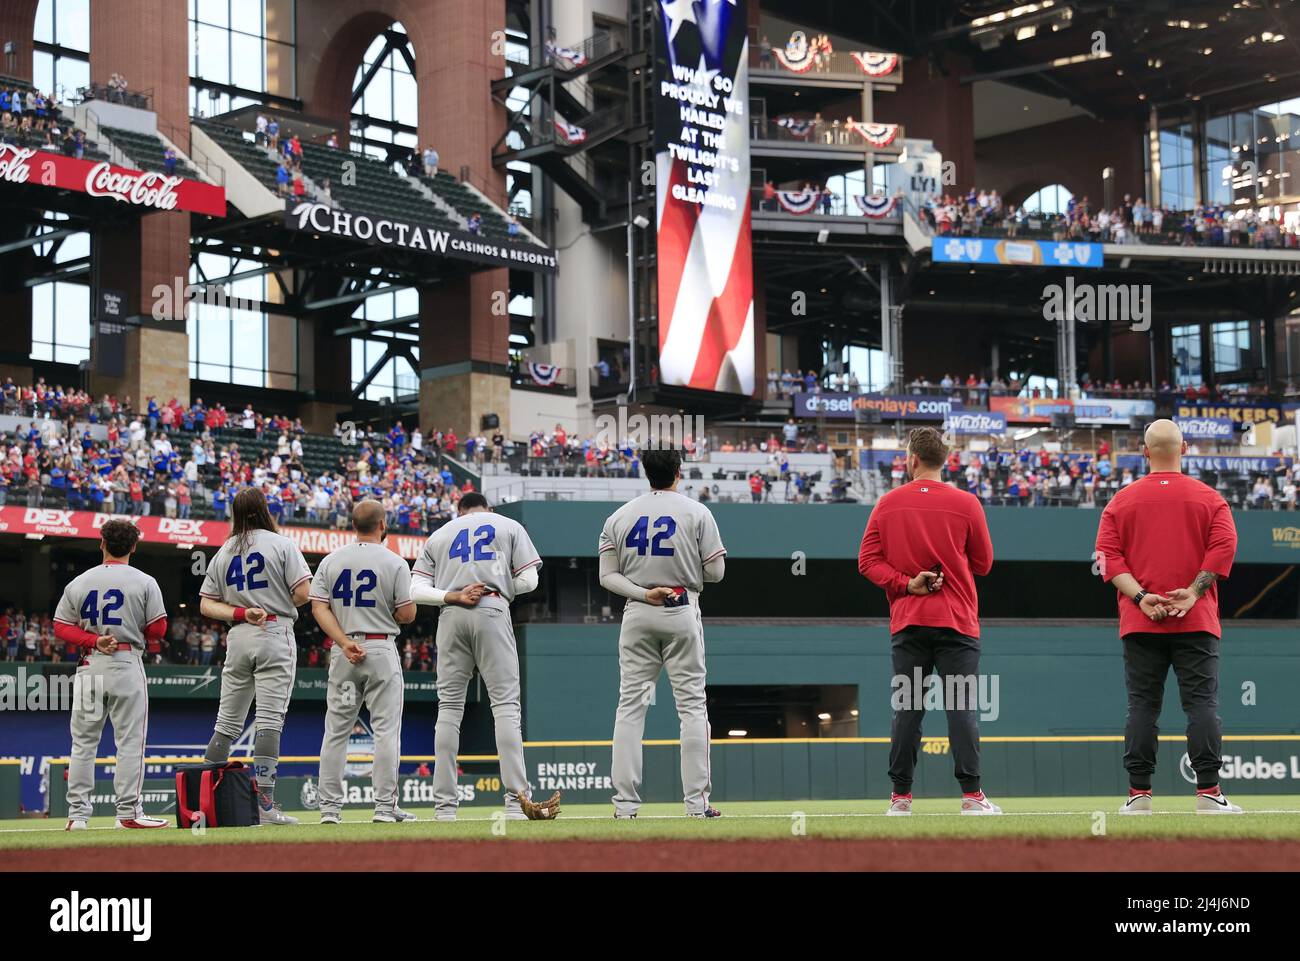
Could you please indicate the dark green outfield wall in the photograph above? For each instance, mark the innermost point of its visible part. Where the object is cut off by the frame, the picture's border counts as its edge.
(1052, 680)
(570, 529)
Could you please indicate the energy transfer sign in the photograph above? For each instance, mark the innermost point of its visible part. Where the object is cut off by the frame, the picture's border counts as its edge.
(701, 142)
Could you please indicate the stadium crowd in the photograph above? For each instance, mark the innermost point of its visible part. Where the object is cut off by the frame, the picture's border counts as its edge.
(1029, 478)
(1131, 221)
(28, 637)
(186, 461)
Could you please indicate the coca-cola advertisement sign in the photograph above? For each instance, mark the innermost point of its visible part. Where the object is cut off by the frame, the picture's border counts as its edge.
(146, 190)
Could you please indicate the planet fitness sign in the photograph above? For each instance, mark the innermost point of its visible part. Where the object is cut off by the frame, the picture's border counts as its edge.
(137, 188)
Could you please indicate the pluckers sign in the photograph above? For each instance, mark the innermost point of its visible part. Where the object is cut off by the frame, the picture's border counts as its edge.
(384, 231)
(148, 191)
(701, 143)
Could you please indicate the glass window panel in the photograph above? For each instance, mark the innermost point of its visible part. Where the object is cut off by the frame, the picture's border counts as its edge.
(214, 337)
(43, 313)
(72, 319)
(70, 76)
(215, 12)
(42, 351)
(74, 247)
(251, 378)
(44, 32)
(72, 24)
(246, 15)
(250, 335)
(43, 70)
(405, 99)
(407, 302)
(214, 54)
(375, 49)
(213, 372)
(70, 355)
(246, 61)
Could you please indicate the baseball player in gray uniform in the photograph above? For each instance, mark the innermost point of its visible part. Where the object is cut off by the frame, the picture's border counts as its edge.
(659, 551)
(110, 610)
(473, 567)
(257, 581)
(359, 596)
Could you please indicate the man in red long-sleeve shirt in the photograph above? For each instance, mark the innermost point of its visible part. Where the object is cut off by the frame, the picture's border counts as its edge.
(925, 543)
(1163, 543)
(111, 611)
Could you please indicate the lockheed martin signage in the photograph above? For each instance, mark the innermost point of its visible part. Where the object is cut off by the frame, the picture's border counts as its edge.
(322, 219)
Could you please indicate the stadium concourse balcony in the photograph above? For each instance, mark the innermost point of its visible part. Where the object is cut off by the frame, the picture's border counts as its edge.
(44, 139)
(718, 476)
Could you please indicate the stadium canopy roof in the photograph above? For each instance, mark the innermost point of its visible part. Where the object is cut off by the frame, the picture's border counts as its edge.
(1215, 55)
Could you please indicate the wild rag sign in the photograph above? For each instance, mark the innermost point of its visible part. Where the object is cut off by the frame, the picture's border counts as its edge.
(137, 188)
(322, 219)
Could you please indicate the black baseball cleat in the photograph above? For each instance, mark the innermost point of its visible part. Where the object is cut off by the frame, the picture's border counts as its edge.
(624, 817)
(708, 812)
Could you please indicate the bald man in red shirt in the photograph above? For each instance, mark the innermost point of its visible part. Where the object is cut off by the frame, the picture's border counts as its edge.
(1163, 544)
(925, 544)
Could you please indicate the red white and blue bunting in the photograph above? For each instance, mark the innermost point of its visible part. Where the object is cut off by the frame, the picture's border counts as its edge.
(876, 134)
(875, 64)
(800, 127)
(570, 133)
(574, 58)
(544, 375)
(801, 55)
(801, 201)
(875, 206)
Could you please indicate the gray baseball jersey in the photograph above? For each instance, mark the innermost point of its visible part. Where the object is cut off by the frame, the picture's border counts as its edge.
(663, 539)
(112, 599)
(478, 547)
(264, 575)
(364, 584)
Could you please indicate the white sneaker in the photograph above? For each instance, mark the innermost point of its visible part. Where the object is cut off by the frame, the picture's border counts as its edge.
(75, 824)
(1215, 804)
(394, 816)
(1136, 804)
(270, 812)
(142, 822)
(330, 817)
(444, 816)
(979, 805)
(900, 807)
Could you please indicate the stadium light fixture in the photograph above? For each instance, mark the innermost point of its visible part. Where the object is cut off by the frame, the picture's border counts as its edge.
(823, 716)
(738, 732)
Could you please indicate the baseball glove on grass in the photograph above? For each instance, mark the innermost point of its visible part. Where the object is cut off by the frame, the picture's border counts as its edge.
(546, 811)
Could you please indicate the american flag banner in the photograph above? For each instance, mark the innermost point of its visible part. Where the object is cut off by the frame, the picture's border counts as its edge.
(801, 201)
(705, 261)
(798, 126)
(875, 64)
(876, 134)
(570, 133)
(544, 375)
(876, 205)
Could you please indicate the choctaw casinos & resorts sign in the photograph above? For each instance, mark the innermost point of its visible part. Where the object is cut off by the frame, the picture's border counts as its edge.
(318, 218)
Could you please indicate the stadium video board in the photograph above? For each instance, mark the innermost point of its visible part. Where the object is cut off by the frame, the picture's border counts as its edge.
(701, 142)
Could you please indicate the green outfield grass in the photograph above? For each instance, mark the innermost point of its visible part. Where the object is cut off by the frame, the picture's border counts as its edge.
(1268, 817)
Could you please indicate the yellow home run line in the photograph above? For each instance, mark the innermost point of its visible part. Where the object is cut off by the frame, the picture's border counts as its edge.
(412, 758)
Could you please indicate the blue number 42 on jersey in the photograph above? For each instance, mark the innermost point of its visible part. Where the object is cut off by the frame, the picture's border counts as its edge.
(639, 539)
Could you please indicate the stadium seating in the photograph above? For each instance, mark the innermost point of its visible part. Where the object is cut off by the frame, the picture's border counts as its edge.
(146, 151)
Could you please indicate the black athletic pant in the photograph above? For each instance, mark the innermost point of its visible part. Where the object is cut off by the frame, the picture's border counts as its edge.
(931, 648)
(1195, 660)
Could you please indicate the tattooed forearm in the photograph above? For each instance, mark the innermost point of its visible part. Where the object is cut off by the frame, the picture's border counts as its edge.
(1204, 580)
